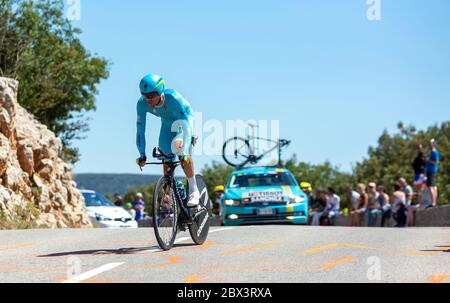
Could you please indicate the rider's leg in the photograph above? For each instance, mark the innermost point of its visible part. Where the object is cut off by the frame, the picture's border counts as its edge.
(182, 146)
(188, 167)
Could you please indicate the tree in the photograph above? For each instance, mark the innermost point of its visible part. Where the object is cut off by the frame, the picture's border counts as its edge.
(216, 174)
(58, 77)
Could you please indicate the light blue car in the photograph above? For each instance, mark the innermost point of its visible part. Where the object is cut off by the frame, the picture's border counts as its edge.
(263, 195)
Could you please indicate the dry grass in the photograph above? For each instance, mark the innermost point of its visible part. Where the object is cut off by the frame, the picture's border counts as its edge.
(22, 218)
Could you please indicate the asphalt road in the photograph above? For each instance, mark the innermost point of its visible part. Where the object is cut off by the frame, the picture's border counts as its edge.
(269, 253)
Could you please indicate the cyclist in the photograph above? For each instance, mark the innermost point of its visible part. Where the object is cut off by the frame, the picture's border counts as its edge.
(176, 127)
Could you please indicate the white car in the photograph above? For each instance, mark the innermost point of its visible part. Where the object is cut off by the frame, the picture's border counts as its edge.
(103, 213)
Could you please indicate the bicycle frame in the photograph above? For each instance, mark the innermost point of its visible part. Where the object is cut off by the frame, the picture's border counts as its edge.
(251, 142)
(172, 165)
(278, 145)
(172, 180)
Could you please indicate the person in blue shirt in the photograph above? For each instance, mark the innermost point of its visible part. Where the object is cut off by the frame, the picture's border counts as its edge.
(177, 120)
(432, 167)
(139, 206)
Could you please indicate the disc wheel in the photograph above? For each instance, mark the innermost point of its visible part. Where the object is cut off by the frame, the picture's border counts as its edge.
(199, 228)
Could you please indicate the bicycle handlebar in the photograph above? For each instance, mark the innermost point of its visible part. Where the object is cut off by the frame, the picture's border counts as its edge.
(160, 155)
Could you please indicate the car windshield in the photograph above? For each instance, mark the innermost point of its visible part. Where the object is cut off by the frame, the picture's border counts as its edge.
(96, 199)
(265, 179)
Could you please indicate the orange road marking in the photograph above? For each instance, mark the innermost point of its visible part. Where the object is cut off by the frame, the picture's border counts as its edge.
(320, 248)
(324, 267)
(438, 279)
(405, 252)
(8, 261)
(173, 260)
(205, 245)
(337, 262)
(248, 248)
(192, 279)
(29, 269)
(286, 262)
(6, 247)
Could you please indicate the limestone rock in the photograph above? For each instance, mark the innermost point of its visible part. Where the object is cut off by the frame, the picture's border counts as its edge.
(31, 169)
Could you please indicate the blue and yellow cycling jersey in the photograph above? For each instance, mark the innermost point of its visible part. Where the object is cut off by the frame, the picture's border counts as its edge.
(177, 120)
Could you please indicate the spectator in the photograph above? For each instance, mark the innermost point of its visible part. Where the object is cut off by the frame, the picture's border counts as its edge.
(407, 189)
(419, 163)
(361, 207)
(332, 206)
(118, 200)
(318, 207)
(372, 206)
(129, 207)
(431, 168)
(308, 190)
(353, 196)
(219, 192)
(139, 206)
(423, 199)
(424, 196)
(383, 204)
(399, 205)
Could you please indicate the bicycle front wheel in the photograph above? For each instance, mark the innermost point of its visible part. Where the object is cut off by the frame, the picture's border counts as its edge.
(201, 217)
(165, 214)
(236, 152)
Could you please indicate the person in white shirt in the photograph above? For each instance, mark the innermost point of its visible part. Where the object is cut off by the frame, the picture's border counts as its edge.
(407, 189)
(354, 197)
(372, 207)
(333, 204)
(384, 204)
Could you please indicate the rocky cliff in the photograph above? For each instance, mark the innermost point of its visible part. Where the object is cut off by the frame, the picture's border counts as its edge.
(34, 181)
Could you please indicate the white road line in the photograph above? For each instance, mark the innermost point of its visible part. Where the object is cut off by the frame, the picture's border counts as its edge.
(92, 273)
(221, 229)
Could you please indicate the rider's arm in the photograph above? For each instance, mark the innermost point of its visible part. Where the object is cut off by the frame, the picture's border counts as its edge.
(140, 127)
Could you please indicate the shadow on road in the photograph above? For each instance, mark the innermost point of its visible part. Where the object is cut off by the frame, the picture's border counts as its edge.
(439, 250)
(119, 251)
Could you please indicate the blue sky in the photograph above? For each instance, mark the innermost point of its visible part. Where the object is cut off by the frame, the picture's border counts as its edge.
(332, 78)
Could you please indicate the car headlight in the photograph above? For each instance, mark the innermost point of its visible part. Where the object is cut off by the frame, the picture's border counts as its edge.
(230, 202)
(101, 218)
(296, 199)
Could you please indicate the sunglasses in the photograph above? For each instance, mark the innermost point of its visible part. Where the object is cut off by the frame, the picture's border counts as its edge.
(150, 95)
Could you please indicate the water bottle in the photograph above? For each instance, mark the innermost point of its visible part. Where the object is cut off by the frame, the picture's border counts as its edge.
(181, 190)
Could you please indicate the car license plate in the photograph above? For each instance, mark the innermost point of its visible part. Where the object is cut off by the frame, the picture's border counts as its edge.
(265, 212)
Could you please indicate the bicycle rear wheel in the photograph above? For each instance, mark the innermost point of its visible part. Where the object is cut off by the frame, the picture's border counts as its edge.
(236, 152)
(199, 228)
(165, 214)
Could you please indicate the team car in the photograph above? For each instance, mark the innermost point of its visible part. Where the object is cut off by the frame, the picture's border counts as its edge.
(263, 195)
